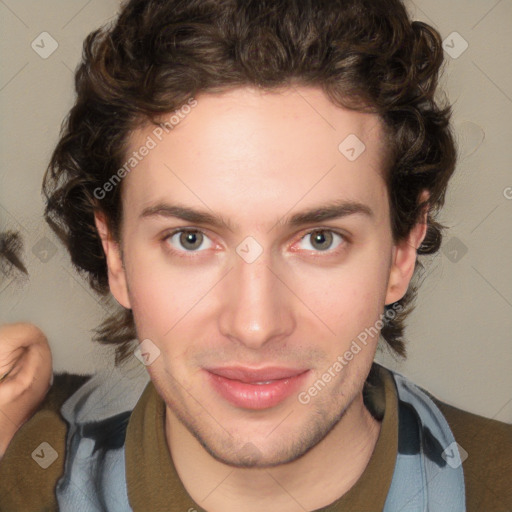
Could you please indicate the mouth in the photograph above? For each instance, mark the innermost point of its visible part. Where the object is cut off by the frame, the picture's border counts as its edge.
(255, 389)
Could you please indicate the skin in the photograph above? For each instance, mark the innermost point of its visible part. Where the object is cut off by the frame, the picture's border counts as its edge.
(255, 158)
(26, 358)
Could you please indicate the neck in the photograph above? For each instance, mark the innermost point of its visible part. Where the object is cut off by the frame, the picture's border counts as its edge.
(318, 478)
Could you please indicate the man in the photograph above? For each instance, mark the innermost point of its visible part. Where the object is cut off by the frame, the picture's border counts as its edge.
(253, 182)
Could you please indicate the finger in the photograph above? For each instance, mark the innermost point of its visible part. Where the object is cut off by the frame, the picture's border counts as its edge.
(31, 374)
(9, 360)
(21, 334)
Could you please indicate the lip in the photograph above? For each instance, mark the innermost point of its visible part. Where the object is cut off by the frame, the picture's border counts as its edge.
(238, 385)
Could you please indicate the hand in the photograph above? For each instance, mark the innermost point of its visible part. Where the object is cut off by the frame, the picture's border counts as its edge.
(25, 376)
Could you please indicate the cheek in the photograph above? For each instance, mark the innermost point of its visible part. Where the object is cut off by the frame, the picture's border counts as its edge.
(161, 294)
(351, 294)
(150, 292)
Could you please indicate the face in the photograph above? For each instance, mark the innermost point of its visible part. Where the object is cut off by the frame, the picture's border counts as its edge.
(256, 248)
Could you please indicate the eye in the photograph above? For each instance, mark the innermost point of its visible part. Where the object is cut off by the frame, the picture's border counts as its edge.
(190, 240)
(322, 240)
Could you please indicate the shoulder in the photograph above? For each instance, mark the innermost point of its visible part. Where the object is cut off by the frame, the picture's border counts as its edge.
(33, 463)
(485, 446)
(488, 466)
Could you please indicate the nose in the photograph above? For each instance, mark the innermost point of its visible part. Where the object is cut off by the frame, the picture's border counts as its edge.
(257, 304)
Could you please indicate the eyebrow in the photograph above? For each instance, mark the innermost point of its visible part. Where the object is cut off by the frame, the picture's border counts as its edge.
(330, 211)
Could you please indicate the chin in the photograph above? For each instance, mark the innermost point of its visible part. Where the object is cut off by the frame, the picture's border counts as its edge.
(248, 452)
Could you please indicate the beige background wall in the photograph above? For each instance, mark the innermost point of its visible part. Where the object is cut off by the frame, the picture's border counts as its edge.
(461, 332)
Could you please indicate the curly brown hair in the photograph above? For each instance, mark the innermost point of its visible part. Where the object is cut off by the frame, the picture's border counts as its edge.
(366, 55)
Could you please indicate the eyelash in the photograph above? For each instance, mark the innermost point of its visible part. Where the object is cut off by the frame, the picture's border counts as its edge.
(345, 240)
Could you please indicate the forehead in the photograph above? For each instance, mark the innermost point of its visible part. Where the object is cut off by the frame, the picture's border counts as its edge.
(245, 149)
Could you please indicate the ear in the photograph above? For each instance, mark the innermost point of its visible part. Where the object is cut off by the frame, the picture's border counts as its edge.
(116, 272)
(404, 257)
